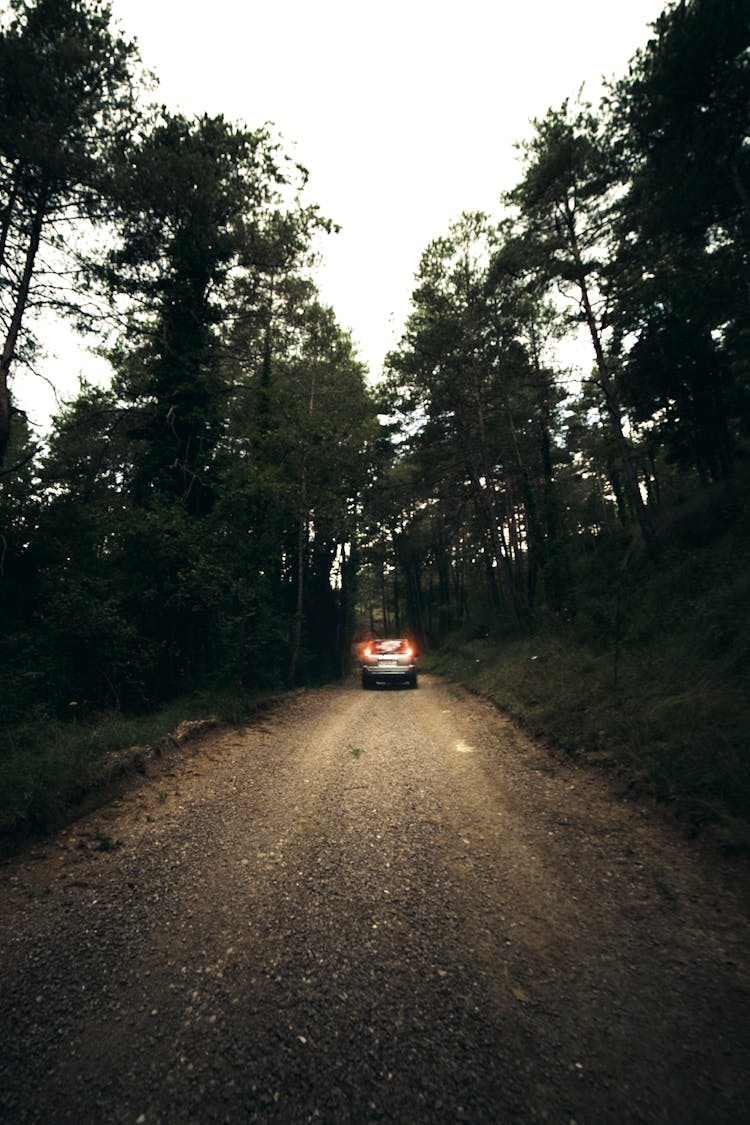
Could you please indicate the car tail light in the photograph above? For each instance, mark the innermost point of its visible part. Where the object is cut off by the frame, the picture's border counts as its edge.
(408, 651)
(368, 651)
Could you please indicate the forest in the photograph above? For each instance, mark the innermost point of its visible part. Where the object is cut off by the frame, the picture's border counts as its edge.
(244, 500)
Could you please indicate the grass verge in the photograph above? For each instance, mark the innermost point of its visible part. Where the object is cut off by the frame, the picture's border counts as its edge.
(684, 741)
(51, 771)
(657, 690)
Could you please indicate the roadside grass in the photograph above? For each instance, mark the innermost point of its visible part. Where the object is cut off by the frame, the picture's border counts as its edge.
(50, 769)
(654, 685)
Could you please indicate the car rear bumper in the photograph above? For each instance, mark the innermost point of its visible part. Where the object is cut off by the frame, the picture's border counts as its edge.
(383, 674)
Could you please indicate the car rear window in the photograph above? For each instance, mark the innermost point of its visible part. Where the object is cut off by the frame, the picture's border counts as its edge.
(385, 647)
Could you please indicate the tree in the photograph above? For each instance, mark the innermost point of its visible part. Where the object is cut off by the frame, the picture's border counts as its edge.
(680, 124)
(471, 368)
(448, 365)
(193, 195)
(187, 196)
(66, 104)
(317, 424)
(565, 203)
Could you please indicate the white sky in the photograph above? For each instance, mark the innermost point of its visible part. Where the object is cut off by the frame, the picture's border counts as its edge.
(405, 112)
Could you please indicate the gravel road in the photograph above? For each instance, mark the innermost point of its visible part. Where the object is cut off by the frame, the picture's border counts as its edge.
(372, 906)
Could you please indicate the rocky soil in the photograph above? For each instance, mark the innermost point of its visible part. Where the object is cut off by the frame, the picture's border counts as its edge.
(372, 906)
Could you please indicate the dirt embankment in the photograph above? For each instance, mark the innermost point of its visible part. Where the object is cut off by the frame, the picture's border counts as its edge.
(374, 906)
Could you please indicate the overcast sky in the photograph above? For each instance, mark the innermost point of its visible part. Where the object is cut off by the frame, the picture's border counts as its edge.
(405, 112)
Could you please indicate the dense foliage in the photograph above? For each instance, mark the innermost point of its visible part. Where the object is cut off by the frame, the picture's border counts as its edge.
(629, 231)
(193, 523)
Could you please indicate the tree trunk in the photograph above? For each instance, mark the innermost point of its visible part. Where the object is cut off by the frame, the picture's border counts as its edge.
(486, 498)
(606, 382)
(299, 608)
(302, 532)
(8, 218)
(11, 339)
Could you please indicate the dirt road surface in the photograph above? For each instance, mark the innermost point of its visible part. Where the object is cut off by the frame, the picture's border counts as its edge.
(374, 906)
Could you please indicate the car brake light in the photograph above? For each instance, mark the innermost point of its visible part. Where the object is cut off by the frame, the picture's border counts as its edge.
(368, 650)
(408, 651)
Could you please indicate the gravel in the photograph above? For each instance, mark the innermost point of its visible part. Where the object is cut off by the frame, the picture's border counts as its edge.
(372, 906)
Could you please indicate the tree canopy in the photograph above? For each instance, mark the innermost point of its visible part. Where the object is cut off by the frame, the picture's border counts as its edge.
(627, 232)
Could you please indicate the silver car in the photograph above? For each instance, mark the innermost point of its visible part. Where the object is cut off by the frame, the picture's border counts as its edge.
(389, 662)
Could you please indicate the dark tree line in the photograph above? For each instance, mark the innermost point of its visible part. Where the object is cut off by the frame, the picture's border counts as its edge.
(629, 228)
(194, 522)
